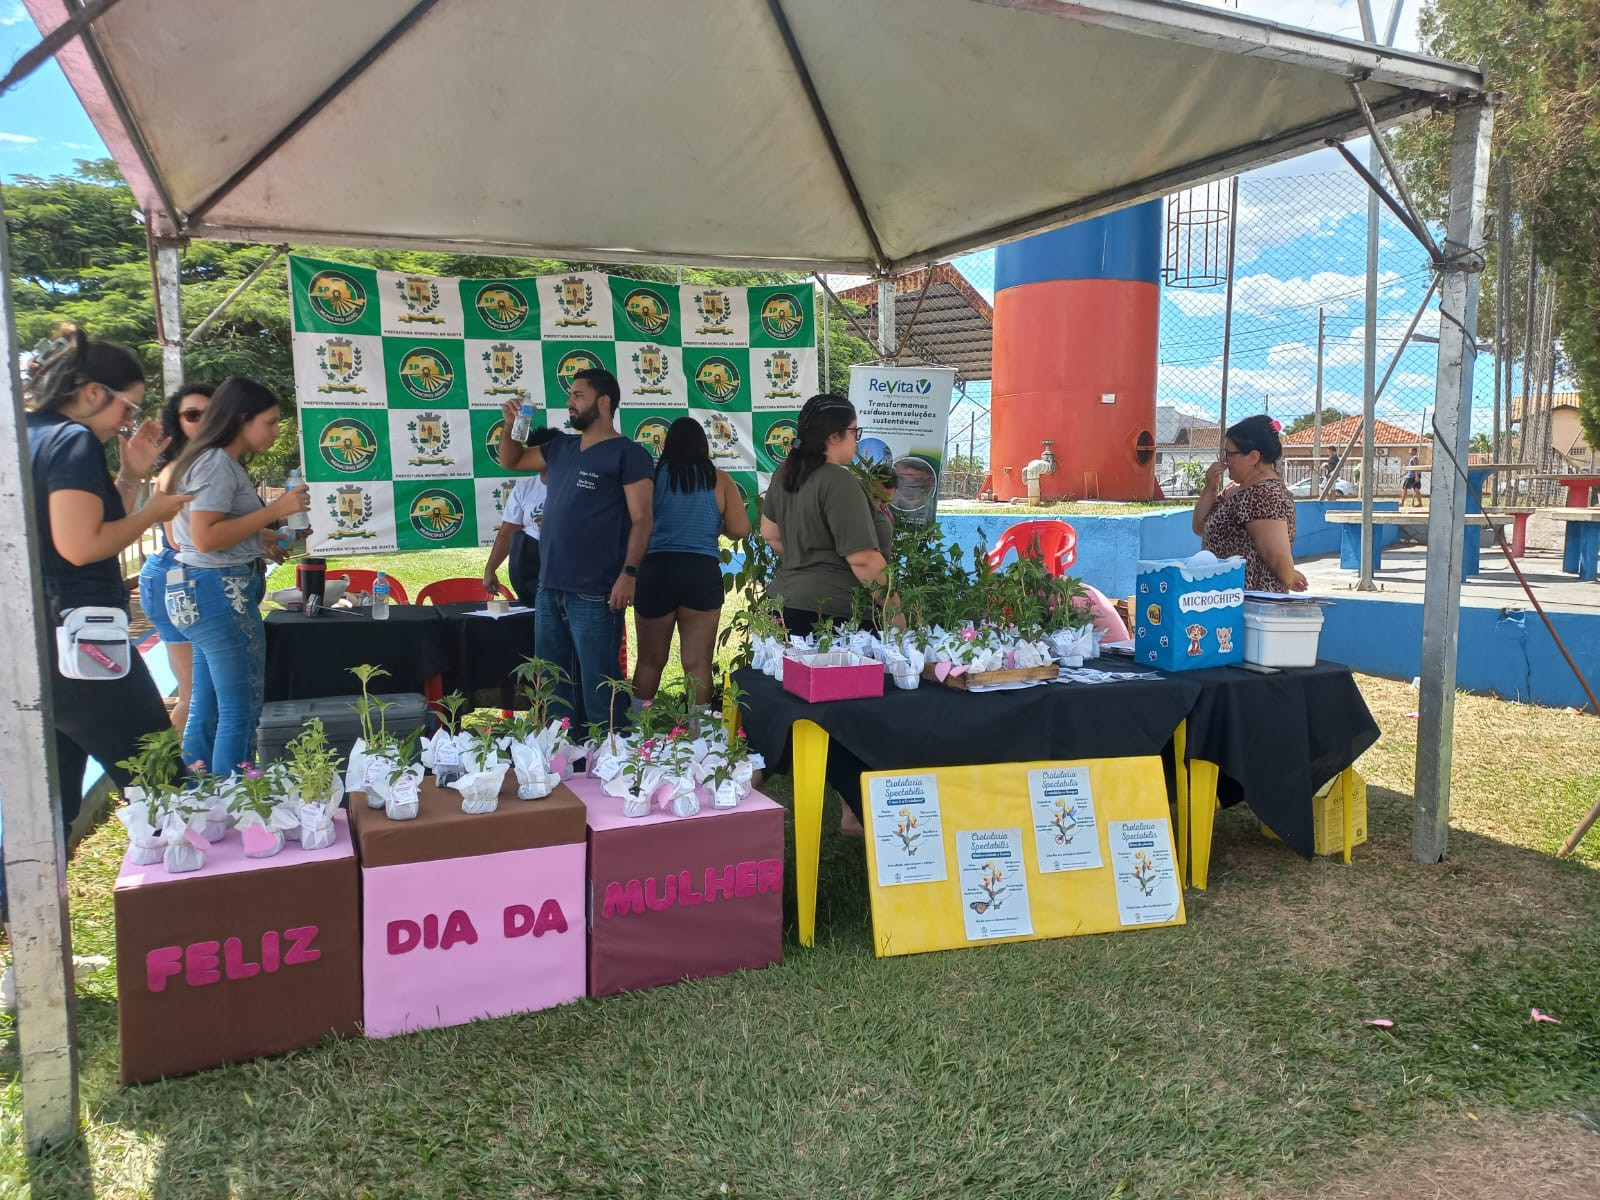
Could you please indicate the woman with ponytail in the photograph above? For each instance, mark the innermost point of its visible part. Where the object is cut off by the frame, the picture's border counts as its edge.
(222, 542)
(80, 395)
(1252, 516)
(818, 520)
(181, 414)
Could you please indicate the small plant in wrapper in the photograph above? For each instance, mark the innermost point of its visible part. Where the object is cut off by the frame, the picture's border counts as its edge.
(314, 763)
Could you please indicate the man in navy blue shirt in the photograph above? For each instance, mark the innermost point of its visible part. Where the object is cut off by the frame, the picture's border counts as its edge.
(593, 537)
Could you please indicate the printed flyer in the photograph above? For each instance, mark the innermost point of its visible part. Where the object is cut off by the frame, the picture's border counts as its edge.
(904, 414)
(1147, 877)
(908, 836)
(1066, 836)
(994, 883)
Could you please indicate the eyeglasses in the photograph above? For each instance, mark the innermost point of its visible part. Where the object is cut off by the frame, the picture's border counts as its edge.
(1235, 453)
(854, 431)
(191, 414)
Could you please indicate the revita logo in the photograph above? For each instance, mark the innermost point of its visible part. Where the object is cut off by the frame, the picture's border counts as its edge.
(900, 387)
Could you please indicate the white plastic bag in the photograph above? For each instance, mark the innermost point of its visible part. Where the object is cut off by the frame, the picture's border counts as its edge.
(480, 790)
(403, 798)
(181, 853)
(535, 779)
(145, 845)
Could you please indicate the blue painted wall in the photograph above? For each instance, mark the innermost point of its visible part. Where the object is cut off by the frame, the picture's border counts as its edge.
(1512, 656)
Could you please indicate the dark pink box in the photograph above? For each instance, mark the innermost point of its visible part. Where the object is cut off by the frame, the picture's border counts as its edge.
(836, 675)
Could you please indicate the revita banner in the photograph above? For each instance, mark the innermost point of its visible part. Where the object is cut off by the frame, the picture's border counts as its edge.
(904, 413)
(400, 380)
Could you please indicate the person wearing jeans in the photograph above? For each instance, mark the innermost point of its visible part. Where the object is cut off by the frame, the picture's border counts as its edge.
(222, 539)
(596, 528)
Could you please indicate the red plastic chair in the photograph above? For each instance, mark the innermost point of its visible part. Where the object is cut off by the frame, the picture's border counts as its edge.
(1056, 540)
(362, 581)
(452, 591)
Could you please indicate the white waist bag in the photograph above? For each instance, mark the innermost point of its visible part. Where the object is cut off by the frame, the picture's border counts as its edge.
(93, 643)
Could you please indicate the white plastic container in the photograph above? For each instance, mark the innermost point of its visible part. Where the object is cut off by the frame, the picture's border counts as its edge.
(1281, 635)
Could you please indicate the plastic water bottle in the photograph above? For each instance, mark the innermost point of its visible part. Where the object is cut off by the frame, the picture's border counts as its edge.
(380, 598)
(523, 425)
(298, 522)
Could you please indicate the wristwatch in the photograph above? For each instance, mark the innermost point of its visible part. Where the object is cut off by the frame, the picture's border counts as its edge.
(630, 572)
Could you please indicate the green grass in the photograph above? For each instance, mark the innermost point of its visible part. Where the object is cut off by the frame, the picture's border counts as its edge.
(1227, 1057)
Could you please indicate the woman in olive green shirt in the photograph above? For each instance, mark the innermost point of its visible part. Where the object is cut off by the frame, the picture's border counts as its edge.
(817, 518)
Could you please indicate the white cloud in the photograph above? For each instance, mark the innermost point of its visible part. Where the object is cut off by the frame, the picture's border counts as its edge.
(12, 13)
(17, 139)
(1262, 295)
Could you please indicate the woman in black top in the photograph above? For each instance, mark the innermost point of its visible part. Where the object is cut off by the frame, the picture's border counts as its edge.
(80, 397)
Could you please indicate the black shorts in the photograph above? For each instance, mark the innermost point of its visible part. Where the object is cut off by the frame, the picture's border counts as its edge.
(669, 581)
(1412, 482)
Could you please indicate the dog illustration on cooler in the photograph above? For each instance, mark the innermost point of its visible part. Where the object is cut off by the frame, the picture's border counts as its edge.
(1196, 634)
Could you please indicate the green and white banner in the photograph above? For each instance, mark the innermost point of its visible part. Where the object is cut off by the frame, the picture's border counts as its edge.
(400, 379)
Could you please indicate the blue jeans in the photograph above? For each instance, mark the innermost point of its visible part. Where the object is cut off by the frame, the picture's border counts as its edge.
(583, 636)
(153, 595)
(230, 653)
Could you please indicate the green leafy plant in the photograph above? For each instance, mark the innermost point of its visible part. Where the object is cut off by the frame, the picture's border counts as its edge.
(314, 763)
(541, 682)
(366, 673)
(157, 767)
(450, 712)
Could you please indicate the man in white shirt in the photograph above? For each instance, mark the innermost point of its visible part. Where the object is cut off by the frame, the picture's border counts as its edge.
(518, 538)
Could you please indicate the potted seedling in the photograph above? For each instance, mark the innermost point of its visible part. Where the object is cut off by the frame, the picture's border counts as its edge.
(541, 682)
(314, 775)
(157, 771)
(403, 782)
(441, 752)
(358, 777)
(485, 772)
(262, 816)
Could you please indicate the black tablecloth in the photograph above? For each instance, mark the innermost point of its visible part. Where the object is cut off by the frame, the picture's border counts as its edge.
(1274, 738)
(484, 652)
(312, 656)
(1277, 738)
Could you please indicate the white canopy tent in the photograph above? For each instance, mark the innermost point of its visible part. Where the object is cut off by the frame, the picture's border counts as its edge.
(842, 135)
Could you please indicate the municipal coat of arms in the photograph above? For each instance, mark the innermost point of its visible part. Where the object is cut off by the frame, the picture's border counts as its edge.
(350, 507)
(504, 364)
(575, 297)
(715, 312)
(781, 376)
(340, 361)
(430, 438)
(651, 365)
(421, 295)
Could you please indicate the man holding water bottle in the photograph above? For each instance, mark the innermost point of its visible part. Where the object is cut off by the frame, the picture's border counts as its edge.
(593, 536)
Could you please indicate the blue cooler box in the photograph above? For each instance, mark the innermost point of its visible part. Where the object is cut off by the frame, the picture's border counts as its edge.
(1189, 614)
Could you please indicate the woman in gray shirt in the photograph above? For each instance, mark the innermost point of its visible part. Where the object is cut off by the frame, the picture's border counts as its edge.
(220, 549)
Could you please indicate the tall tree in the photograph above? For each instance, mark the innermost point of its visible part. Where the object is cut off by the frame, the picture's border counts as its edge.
(1544, 57)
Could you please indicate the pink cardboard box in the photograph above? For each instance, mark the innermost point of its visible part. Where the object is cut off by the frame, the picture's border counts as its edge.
(675, 898)
(458, 939)
(836, 675)
(242, 958)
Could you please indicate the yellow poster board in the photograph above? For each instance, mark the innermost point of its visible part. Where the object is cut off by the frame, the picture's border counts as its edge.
(1010, 852)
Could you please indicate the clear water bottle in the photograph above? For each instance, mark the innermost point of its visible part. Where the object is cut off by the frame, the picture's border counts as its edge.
(298, 522)
(523, 425)
(380, 598)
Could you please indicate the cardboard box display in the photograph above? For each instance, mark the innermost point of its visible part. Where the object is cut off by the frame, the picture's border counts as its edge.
(470, 916)
(676, 898)
(244, 958)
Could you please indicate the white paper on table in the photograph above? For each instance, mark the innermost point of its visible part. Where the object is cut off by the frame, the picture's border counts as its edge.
(994, 883)
(908, 835)
(1147, 878)
(1066, 836)
(513, 611)
(1015, 686)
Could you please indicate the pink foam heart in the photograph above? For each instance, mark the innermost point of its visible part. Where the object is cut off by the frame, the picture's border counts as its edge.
(1380, 1023)
(1011, 660)
(558, 764)
(959, 670)
(1538, 1017)
(196, 840)
(257, 837)
(941, 671)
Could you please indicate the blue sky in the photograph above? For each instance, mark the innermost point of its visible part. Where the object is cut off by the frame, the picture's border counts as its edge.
(1301, 242)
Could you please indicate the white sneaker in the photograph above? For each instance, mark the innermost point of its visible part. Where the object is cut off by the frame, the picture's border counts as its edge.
(83, 966)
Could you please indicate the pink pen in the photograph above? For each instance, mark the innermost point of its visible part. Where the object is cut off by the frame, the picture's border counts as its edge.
(101, 657)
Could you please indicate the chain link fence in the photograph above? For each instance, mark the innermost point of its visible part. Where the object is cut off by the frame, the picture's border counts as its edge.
(1299, 311)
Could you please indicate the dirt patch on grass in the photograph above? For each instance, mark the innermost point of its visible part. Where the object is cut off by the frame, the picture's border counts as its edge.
(1488, 1158)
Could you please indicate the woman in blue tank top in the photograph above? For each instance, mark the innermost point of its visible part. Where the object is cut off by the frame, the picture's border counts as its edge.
(680, 580)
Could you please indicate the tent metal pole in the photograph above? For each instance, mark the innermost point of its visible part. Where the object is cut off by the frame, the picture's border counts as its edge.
(246, 282)
(1452, 425)
(307, 114)
(1316, 412)
(886, 337)
(169, 301)
(32, 60)
(35, 843)
(1227, 318)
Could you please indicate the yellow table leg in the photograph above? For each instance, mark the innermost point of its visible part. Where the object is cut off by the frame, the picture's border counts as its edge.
(730, 712)
(1180, 742)
(1347, 791)
(1202, 815)
(810, 752)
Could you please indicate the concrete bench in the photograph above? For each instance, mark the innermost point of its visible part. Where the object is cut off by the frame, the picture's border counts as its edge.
(1581, 550)
(1350, 535)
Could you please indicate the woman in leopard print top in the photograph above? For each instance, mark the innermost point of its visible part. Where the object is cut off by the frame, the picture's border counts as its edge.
(1252, 514)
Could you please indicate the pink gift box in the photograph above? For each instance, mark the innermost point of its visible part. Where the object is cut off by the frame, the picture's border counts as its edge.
(836, 675)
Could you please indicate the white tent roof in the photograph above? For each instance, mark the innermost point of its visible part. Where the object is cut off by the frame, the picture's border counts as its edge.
(863, 135)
